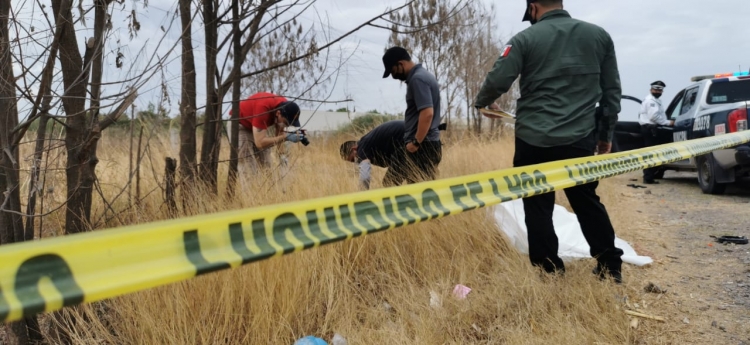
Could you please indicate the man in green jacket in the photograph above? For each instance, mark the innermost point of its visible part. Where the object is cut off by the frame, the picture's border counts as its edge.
(566, 67)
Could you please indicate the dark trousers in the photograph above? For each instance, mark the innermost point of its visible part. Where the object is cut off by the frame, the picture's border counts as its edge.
(648, 132)
(593, 217)
(414, 167)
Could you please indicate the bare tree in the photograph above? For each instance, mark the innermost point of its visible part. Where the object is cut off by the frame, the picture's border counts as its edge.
(303, 78)
(302, 81)
(475, 62)
(459, 51)
(211, 126)
(257, 21)
(83, 127)
(438, 45)
(75, 86)
(188, 107)
(11, 222)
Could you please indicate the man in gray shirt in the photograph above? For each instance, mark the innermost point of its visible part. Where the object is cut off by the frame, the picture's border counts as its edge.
(422, 117)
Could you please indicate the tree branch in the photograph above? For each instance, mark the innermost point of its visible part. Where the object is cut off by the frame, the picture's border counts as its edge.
(113, 116)
(347, 34)
(21, 129)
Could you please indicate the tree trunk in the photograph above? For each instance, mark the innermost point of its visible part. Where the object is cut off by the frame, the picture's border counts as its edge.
(187, 103)
(130, 161)
(479, 122)
(236, 92)
(138, 172)
(43, 101)
(212, 123)
(469, 108)
(11, 225)
(10, 193)
(79, 171)
(74, 103)
(169, 181)
(34, 187)
(216, 92)
(469, 114)
(36, 170)
(100, 22)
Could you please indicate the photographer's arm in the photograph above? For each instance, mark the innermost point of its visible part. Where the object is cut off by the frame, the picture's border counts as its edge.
(262, 140)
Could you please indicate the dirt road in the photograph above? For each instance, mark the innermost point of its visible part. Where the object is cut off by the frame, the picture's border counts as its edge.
(707, 283)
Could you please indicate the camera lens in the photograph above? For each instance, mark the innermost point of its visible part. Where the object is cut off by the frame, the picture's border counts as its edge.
(304, 141)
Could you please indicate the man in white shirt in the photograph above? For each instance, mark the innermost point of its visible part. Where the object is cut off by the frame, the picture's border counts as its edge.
(650, 117)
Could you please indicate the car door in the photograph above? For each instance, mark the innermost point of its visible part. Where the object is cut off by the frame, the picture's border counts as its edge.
(684, 115)
(673, 111)
(681, 110)
(627, 134)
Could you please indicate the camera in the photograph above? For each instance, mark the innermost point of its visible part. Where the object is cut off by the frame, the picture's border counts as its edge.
(303, 138)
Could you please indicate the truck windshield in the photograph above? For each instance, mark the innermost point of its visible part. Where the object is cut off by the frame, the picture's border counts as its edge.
(729, 92)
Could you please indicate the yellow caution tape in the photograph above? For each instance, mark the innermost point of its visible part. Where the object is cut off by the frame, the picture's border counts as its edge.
(47, 275)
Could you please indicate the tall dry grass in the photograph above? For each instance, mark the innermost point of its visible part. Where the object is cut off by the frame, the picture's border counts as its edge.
(371, 290)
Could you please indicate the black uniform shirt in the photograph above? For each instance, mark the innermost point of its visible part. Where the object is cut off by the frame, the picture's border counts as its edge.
(380, 144)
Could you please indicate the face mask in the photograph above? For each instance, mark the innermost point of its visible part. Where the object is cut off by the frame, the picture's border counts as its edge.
(532, 20)
(656, 95)
(399, 76)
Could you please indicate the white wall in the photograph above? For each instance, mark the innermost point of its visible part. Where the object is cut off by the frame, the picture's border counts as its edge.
(325, 120)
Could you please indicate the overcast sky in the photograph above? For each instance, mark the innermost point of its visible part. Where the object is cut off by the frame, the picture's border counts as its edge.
(670, 40)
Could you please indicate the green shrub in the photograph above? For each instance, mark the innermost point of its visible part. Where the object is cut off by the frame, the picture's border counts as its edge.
(363, 124)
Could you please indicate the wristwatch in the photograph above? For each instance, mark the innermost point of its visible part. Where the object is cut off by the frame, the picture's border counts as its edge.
(415, 142)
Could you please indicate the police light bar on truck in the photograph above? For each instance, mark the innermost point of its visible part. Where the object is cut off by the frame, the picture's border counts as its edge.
(720, 75)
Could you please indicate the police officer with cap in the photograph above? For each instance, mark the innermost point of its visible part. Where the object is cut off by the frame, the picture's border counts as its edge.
(650, 117)
(566, 67)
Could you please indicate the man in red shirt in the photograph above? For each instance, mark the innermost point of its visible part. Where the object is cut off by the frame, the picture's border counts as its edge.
(258, 114)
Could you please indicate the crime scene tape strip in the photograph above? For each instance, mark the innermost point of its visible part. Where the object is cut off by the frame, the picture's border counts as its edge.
(47, 275)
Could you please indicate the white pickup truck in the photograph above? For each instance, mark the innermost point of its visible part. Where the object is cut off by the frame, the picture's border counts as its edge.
(711, 105)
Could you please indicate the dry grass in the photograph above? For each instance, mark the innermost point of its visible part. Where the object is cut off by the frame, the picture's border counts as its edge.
(371, 290)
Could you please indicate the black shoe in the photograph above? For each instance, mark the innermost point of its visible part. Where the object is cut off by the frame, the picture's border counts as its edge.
(650, 182)
(547, 276)
(550, 268)
(600, 273)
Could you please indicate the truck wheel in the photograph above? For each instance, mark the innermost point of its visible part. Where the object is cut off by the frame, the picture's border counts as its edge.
(706, 179)
(659, 174)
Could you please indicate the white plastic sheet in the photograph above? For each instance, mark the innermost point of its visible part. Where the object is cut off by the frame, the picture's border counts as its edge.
(572, 245)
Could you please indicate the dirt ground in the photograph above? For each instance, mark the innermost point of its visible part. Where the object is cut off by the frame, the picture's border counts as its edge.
(707, 283)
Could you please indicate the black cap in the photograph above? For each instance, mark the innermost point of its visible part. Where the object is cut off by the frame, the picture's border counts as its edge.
(392, 56)
(659, 85)
(526, 14)
(290, 111)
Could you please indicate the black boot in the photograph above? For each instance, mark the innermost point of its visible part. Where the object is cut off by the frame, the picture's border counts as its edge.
(602, 272)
